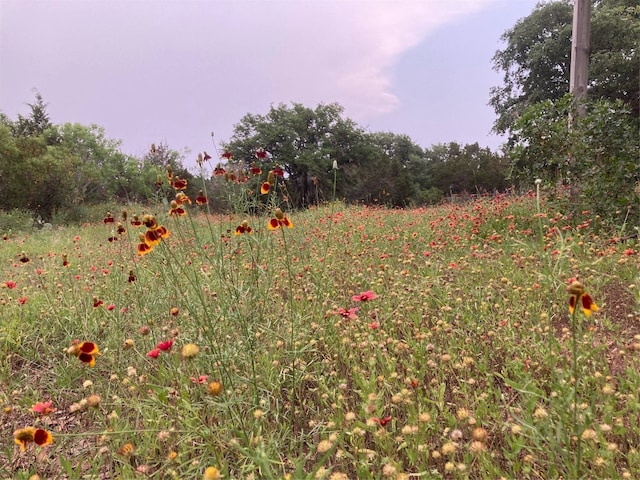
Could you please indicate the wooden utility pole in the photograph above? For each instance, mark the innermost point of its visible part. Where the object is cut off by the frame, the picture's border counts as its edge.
(578, 76)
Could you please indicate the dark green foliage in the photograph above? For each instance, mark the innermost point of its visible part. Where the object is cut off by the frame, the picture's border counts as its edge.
(536, 60)
(597, 159)
(373, 168)
(56, 170)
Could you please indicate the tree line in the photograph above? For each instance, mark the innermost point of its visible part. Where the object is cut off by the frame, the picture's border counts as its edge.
(57, 169)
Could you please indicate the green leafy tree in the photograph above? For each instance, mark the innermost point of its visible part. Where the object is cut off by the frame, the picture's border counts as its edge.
(597, 157)
(536, 60)
(303, 141)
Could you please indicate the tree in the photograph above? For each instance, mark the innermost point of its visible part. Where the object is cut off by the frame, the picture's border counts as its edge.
(303, 141)
(604, 144)
(535, 62)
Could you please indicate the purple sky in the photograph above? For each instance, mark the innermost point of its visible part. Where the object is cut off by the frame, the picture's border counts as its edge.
(152, 71)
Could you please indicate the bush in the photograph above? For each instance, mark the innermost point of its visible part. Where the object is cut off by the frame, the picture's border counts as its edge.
(16, 220)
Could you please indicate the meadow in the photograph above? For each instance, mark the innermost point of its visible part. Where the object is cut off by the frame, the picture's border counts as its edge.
(347, 342)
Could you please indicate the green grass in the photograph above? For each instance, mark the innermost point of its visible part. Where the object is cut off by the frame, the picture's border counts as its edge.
(462, 367)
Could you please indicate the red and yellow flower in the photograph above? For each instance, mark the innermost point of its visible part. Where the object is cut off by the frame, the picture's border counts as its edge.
(85, 351)
(279, 220)
(243, 228)
(176, 210)
(39, 436)
(201, 199)
(577, 294)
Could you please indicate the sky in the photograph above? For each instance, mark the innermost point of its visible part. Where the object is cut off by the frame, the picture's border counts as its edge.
(184, 72)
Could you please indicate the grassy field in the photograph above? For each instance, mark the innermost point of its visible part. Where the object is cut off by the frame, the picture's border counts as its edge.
(361, 343)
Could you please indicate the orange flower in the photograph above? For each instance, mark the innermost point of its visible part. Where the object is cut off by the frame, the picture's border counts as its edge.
(578, 294)
(38, 436)
(280, 220)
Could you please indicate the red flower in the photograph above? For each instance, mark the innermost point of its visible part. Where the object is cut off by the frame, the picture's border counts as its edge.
(227, 155)
(165, 346)
(43, 408)
(277, 171)
(109, 218)
(22, 300)
(261, 154)
(382, 421)
(351, 313)
(179, 184)
(201, 379)
(364, 296)
(207, 157)
(255, 169)
(201, 199)
(10, 284)
(155, 353)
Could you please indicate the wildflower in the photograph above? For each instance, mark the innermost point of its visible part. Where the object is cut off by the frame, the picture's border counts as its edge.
(578, 294)
(270, 182)
(174, 311)
(65, 261)
(364, 296)
(152, 237)
(132, 277)
(279, 220)
(215, 388)
(43, 408)
(261, 154)
(219, 171)
(179, 184)
(255, 169)
(97, 302)
(155, 353)
(206, 156)
(351, 313)
(94, 400)
(23, 258)
(227, 155)
(182, 198)
(176, 210)
(166, 345)
(85, 351)
(201, 199)
(109, 218)
(135, 221)
(10, 284)
(243, 228)
(22, 300)
(278, 171)
(382, 421)
(201, 379)
(38, 436)
(211, 473)
(143, 248)
(190, 350)
(149, 221)
(127, 449)
(120, 229)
